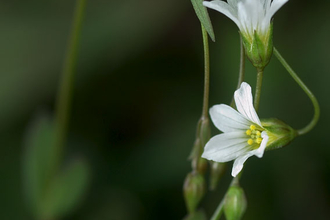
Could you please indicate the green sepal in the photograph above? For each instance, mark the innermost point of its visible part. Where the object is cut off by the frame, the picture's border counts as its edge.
(235, 203)
(203, 17)
(280, 134)
(259, 51)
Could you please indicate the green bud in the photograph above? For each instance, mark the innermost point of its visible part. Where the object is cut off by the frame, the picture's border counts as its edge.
(259, 49)
(217, 171)
(193, 190)
(235, 203)
(279, 133)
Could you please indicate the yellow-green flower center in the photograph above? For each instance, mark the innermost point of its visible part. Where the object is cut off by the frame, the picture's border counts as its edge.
(255, 135)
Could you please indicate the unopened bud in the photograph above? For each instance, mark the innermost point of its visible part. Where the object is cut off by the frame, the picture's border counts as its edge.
(235, 203)
(259, 47)
(279, 133)
(217, 171)
(193, 190)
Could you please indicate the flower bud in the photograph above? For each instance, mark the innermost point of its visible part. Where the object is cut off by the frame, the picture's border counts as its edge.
(217, 171)
(235, 203)
(193, 190)
(279, 133)
(259, 47)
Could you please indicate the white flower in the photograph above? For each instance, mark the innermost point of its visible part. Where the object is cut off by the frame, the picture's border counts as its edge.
(243, 136)
(249, 15)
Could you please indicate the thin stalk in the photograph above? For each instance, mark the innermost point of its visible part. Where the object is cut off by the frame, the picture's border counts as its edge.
(206, 74)
(241, 70)
(316, 106)
(64, 95)
(258, 89)
(218, 212)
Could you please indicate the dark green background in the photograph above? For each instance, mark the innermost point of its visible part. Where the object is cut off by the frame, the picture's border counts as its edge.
(137, 98)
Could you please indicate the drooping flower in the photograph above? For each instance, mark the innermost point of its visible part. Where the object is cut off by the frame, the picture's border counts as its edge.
(253, 18)
(244, 134)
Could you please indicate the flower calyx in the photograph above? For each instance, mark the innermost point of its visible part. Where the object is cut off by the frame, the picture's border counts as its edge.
(280, 134)
(259, 48)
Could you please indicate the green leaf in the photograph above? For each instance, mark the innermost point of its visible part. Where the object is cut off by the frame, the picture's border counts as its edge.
(66, 190)
(203, 17)
(50, 195)
(38, 159)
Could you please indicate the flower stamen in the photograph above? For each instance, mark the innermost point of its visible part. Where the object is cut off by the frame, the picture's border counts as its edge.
(255, 135)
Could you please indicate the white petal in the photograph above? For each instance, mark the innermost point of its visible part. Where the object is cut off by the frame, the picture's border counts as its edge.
(226, 147)
(223, 8)
(267, 4)
(233, 3)
(275, 6)
(244, 19)
(260, 151)
(227, 119)
(244, 103)
(238, 164)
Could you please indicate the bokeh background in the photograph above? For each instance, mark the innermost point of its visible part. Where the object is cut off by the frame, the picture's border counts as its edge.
(137, 99)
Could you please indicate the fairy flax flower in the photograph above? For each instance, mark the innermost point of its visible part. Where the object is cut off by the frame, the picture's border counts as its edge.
(244, 134)
(253, 18)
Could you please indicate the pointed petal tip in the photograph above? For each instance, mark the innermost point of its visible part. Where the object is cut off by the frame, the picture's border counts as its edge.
(234, 172)
(244, 102)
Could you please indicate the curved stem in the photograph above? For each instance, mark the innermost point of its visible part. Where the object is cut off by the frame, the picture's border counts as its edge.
(313, 122)
(206, 73)
(258, 89)
(67, 80)
(241, 71)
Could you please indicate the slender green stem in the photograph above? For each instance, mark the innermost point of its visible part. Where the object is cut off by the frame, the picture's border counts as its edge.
(241, 70)
(206, 73)
(218, 212)
(314, 120)
(258, 89)
(64, 95)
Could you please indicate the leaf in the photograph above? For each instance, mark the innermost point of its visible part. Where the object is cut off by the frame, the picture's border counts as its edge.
(38, 160)
(203, 17)
(50, 195)
(66, 190)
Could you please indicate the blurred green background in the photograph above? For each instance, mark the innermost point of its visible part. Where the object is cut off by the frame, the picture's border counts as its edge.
(138, 96)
